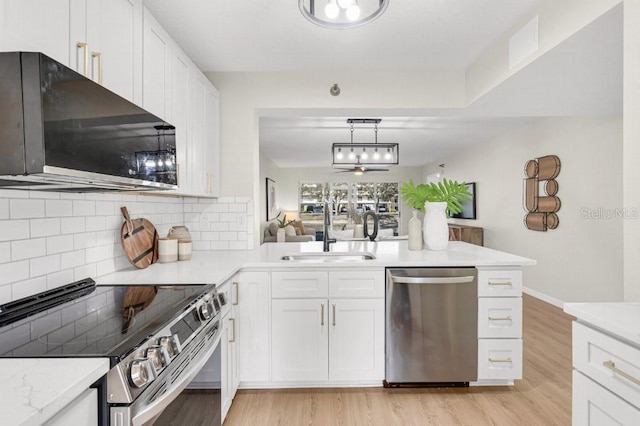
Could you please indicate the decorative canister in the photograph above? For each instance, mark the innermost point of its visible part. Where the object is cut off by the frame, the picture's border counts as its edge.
(415, 232)
(167, 250)
(184, 249)
(179, 232)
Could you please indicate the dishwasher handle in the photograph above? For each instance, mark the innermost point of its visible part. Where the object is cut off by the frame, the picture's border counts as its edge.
(432, 280)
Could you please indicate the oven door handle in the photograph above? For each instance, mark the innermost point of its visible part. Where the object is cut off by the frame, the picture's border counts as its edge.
(154, 409)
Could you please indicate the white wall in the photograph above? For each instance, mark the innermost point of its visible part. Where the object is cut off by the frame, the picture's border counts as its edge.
(581, 260)
(51, 239)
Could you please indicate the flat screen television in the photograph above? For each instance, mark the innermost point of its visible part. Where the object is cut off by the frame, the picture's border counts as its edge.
(468, 208)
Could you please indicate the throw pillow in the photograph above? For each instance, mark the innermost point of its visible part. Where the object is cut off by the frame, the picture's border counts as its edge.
(299, 227)
(273, 229)
(289, 231)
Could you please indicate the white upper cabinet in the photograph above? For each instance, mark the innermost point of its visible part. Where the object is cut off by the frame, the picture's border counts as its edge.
(36, 26)
(180, 109)
(212, 140)
(156, 66)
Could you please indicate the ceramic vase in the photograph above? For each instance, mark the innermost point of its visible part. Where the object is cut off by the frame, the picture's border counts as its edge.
(415, 232)
(436, 230)
(280, 236)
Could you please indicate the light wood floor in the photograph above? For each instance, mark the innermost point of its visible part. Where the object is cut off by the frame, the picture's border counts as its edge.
(543, 397)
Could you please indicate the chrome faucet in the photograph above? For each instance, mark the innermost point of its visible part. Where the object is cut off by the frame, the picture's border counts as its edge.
(325, 230)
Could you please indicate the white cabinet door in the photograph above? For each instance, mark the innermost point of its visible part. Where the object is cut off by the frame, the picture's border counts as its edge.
(300, 284)
(36, 26)
(156, 67)
(299, 339)
(356, 339)
(211, 140)
(181, 107)
(253, 325)
(81, 411)
(594, 405)
(226, 396)
(233, 368)
(119, 50)
(199, 180)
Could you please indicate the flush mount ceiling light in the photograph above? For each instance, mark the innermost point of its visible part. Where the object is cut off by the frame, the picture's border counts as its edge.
(369, 154)
(342, 14)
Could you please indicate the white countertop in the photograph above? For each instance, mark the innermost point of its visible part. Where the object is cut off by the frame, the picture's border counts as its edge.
(620, 319)
(33, 390)
(217, 266)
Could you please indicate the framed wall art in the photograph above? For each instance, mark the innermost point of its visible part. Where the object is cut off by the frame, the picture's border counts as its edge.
(272, 207)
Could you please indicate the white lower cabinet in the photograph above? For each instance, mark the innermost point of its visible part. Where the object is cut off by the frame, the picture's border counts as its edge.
(594, 405)
(326, 339)
(499, 359)
(81, 411)
(229, 368)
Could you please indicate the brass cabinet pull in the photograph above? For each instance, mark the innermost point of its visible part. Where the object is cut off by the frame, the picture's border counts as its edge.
(85, 47)
(334, 314)
(237, 299)
(500, 283)
(500, 360)
(322, 314)
(99, 56)
(612, 366)
(500, 319)
(233, 328)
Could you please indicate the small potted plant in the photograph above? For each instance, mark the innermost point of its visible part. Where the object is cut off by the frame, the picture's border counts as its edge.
(282, 223)
(438, 201)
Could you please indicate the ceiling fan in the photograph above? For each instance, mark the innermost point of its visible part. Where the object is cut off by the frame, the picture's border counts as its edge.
(358, 168)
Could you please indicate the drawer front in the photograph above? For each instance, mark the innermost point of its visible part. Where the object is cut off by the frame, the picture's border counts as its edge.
(300, 284)
(500, 317)
(612, 363)
(367, 284)
(500, 283)
(500, 359)
(593, 405)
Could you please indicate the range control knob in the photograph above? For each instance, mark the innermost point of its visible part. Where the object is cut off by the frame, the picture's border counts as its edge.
(205, 311)
(171, 345)
(140, 372)
(158, 357)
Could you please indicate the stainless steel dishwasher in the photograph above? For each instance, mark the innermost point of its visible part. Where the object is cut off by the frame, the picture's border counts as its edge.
(431, 326)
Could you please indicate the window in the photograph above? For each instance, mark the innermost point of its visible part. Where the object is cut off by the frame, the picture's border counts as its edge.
(348, 202)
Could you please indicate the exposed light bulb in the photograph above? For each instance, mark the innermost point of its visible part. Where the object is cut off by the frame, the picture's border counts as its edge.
(150, 163)
(339, 155)
(168, 163)
(160, 163)
(345, 3)
(387, 156)
(353, 12)
(364, 155)
(352, 155)
(332, 10)
(376, 154)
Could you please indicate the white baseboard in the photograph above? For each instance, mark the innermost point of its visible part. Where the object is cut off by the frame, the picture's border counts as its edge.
(545, 298)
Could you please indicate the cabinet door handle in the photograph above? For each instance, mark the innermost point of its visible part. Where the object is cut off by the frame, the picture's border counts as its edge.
(333, 307)
(237, 298)
(233, 328)
(99, 56)
(500, 319)
(612, 366)
(85, 48)
(500, 283)
(322, 314)
(500, 360)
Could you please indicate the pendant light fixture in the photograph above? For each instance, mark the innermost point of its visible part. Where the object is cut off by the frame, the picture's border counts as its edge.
(371, 154)
(342, 14)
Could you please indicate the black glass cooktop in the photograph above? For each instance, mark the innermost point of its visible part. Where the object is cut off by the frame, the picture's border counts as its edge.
(88, 320)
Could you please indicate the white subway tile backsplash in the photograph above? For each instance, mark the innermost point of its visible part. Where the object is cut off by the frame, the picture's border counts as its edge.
(86, 271)
(73, 259)
(45, 227)
(218, 208)
(84, 208)
(28, 287)
(59, 208)
(27, 249)
(72, 225)
(4, 208)
(229, 236)
(106, 266)
(84, 240)
(26, 208)
(106, 208)
(14, 271)
(58, 279)
(96, 254)
(14, 230)
(201, 245)
(225, 200)
(96, 223)
(219, 245)
(5, 296)
(5, 252)
(44, 265)
(219, 226)
(59, 244)
(238, 208)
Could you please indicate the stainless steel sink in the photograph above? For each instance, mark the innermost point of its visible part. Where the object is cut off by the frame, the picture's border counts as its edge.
(328, 257)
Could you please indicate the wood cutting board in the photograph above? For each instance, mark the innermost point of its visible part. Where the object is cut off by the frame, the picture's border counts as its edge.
(139, 240)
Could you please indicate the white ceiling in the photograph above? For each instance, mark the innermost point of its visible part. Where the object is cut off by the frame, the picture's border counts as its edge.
(272, 35)
(582, 76)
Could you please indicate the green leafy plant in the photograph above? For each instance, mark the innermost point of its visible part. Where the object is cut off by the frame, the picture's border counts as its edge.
(283, 222)
(449, 191)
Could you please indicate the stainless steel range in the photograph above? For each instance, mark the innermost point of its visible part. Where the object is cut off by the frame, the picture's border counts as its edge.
(156, 337)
